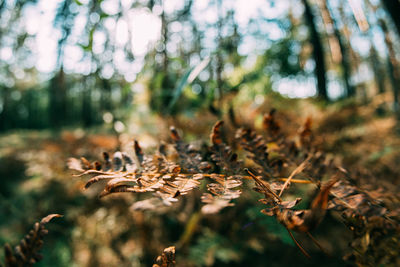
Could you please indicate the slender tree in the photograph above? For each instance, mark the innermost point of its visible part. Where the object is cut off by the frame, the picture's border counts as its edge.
(87, 117)
(318, 52)
(393, 65)
(375, 61)
(57, 97)
(379, 73)
(339, 47)
(345, 34)
(219, 59)
(393, 8)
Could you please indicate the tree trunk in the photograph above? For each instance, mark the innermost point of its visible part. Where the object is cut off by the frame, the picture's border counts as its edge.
(106, 100)
(379, 74)
(219, 67)
(318, 52)
(393, 66)
(344, 55)
(351, 55)
(86, 103)
(5, 113)
(58, 96)
(393, 8)
(376, 64)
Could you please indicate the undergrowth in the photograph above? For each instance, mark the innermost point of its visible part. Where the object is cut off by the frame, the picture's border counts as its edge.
(239, 159)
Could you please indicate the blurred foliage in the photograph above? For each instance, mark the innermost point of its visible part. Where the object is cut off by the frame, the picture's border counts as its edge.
(95, 57)
(105, 232)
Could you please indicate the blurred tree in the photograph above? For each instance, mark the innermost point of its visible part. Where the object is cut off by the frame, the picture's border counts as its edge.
(57, 97)
(318, 51)
(379, 73)
(393, 65)
(99, 36)
(393, 8)
(347, 31)
(338, 50)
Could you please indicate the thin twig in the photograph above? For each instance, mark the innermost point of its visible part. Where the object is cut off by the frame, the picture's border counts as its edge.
(298, 170)
(296, 181)
(316, 243)
(298, 244)
(262, 184)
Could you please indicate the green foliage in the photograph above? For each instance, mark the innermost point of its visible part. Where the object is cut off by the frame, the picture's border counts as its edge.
(269, 225)
(212, 248)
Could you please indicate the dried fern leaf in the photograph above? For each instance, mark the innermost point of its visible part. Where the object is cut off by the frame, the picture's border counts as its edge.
(138, 152)
(190, 159)
(222, 154)
(306, 220)
(222, 192)
(107, 162)
(75, 164)
(86, 163)
(256, 146)
(27, 252)
(305, 133)
(158, 175)
(270, 124)
(116, 189)
(167, 258)
(352, 201)
(153, 203)
(215, 137)
(265, 188)
(103, 177)
(180, 186)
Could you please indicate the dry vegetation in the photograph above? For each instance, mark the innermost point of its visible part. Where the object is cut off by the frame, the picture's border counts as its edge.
(205, 197)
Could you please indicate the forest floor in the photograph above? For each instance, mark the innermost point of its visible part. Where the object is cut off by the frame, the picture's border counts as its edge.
(363, 138)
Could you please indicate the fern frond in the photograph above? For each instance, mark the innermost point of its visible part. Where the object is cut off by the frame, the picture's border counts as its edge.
(27, 252)
(222, 154)
(222, 192)
(189, 157)
(256, 146)
(353, 202)
(167, 258)
(270, 124)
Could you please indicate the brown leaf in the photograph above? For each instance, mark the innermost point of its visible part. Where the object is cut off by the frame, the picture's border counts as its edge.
(306, 133)
(48, 218)
(138, 151)
(102, 177)
(222, 192)
(320, 202)
(75, 164)
(183, 185)
(306, 220)
(167, 258)
(86, 163)
(214, 204)
(270, 124)
(115, 189)
(174, 134)
(107, 166)
(117, 161)
(216, 138)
